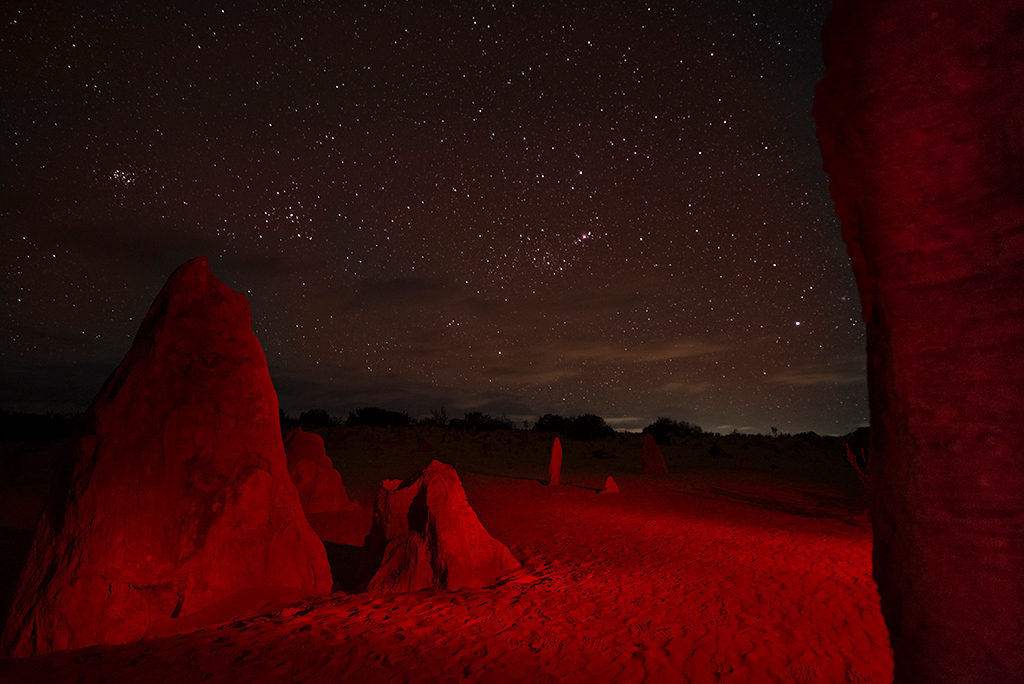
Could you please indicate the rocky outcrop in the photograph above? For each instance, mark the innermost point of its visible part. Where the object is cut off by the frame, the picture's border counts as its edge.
(555, 464)
(610, 487)
(651, 460)
(319, 484)
(425, 536)
(179, 497)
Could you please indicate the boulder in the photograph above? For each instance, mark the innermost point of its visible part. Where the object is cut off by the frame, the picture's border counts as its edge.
(177, 497)
(320, 487)
(424, 535)
(651, 460)
(555, 465)
(610, 487)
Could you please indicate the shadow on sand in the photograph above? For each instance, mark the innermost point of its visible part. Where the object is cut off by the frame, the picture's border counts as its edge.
(541, 481)
(823, 508)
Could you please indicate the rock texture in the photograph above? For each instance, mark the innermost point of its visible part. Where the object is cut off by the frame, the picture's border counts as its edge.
(555, 465)
(179, 497)
(425, 536)
(610, 487)
(651, 460)
(920, 119)
(320, 487)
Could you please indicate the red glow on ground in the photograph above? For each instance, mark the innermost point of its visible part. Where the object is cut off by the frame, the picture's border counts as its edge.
(699, 576)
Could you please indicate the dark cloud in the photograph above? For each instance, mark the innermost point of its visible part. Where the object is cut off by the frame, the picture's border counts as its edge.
(852, 372)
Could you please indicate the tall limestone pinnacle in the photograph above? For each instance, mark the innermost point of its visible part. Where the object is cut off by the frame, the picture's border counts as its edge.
(177, 495)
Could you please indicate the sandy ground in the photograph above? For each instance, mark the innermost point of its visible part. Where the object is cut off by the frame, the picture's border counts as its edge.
(752, 565)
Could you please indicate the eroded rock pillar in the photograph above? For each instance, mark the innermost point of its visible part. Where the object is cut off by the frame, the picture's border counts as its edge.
(920, 118)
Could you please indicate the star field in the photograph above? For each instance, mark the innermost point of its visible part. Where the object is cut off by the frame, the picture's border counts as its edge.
(514, 208)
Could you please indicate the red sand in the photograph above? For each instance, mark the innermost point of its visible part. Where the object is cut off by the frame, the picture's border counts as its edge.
(703, 576)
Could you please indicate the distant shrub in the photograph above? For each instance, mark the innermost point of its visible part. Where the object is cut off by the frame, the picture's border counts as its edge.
(438, 418)
(550, 422)
(481, 422)
(372, 416)
(287, 422)
(664, 428)
(314, 418)
(588, 426)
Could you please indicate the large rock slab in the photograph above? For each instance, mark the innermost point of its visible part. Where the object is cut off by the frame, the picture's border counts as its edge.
(426, 536)
(319, 484)
(177, 496)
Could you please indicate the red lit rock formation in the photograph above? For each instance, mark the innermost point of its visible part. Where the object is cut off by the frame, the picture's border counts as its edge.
(555, 465)
(320, 487)
(426, 536)
(921, 123)
(179, 496)
(651, 460)
(610, 487)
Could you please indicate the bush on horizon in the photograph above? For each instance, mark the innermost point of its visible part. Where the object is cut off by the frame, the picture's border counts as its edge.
(372, 416)
(315, 418)
(287, 422)
(587, 426)
(481, 422)
(663, 428)
(551, 422)
(438, 418)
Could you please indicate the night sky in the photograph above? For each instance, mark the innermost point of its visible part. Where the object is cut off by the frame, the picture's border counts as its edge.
(513, 208)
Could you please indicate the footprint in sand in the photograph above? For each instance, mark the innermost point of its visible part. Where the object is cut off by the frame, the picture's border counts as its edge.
(638, 628)
(663, 635)
(598, 642)
(545, 643)
(852, 676)
(513, 642)
(807, 674)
